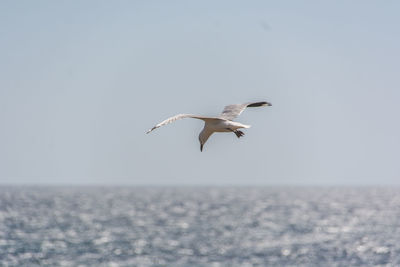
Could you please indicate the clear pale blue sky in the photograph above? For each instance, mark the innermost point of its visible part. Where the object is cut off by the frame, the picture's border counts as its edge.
(81, 82)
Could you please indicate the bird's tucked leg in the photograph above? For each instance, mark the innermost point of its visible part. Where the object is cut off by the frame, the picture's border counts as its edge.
(238, 133)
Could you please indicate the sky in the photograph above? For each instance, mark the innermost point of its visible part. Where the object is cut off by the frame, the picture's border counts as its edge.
(82, 81)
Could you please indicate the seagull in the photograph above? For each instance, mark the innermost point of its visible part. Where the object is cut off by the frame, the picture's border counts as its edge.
(222, 123)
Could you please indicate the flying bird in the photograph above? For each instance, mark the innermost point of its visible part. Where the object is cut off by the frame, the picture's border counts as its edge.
(222, 123)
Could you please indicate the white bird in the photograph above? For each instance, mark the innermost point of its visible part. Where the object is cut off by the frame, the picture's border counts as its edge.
(222, 123)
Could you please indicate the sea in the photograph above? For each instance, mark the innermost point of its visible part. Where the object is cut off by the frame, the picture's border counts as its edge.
(199, 226)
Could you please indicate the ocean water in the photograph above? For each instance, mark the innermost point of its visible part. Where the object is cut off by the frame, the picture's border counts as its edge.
(199, 226)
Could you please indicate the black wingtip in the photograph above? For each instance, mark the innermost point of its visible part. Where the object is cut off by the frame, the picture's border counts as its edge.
(259, 104)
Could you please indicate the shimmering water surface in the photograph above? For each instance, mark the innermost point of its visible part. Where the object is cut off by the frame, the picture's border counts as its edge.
(204, 226)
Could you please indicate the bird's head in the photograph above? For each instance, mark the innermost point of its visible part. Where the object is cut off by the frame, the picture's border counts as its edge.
(203, 137)
(202, 142)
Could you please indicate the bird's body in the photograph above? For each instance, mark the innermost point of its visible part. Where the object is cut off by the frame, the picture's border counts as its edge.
(223, 123)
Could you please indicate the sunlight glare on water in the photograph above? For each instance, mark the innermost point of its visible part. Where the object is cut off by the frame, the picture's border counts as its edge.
(204, 226)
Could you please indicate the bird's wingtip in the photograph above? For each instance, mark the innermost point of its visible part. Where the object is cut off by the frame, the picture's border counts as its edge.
(150, 130)
(265, 103)
(259, 104)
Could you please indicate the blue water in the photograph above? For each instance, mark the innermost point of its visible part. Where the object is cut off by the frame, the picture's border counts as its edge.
(204, 226)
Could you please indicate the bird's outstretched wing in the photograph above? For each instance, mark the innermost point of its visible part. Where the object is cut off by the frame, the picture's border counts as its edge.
(178, 117)
(232, 111)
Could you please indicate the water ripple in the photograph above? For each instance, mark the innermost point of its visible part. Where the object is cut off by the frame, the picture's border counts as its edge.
(93, 226)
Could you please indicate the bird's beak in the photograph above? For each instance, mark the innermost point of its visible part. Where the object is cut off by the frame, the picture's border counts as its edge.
(269, 104)
(201, 147)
